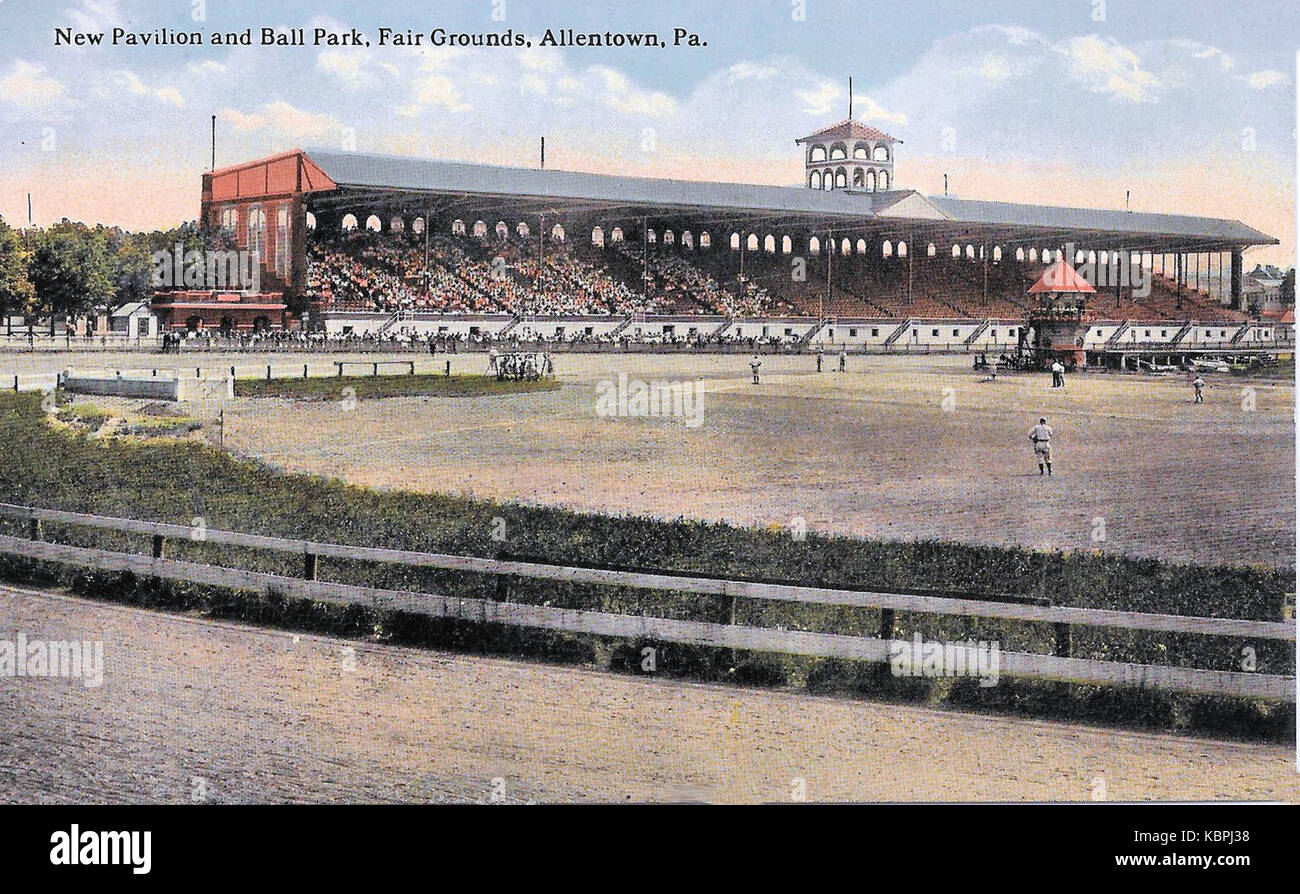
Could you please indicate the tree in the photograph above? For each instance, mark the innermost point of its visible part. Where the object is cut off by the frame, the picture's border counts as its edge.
(16, 292)
(73, 269)
(1288, 288)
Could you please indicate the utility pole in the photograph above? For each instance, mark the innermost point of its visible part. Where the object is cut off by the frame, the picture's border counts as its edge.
(543, 153)
(214, 143)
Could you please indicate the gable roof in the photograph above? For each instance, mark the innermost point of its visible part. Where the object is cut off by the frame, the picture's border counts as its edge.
(849, 129)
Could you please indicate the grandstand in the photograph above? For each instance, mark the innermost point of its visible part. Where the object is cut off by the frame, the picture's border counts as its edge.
(364, 243)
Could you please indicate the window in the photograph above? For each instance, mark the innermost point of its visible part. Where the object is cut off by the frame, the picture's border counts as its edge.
(934, 333)
(875, 332)
(1146, 334)
(954, 333)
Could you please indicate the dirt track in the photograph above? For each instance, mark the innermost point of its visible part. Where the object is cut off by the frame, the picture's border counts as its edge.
(269, 716)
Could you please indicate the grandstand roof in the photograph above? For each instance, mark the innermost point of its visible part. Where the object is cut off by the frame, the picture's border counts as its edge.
(361, 175)
(1012, 214)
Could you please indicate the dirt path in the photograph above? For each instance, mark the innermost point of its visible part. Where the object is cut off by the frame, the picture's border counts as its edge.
(242, 714)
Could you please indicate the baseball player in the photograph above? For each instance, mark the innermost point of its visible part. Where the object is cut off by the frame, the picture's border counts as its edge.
(753, 367)
(1198, 386)
(1041, 437)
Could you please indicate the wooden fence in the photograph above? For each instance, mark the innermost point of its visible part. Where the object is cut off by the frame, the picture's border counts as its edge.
(1059, 667)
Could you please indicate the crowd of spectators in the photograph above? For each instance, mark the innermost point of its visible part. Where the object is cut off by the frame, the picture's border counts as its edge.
(362, 270)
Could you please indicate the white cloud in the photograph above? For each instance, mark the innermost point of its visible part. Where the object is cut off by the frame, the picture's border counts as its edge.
(285, 118)
(131, 82)
(96, 15)
(1106, 66)
(1262, 80)
(27, 86)
(206, 67)
(436, 90)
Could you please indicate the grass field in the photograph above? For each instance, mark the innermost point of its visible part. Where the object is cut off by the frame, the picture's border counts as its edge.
(896, 448)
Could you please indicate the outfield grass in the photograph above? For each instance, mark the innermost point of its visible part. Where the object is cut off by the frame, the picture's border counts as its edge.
(181, 481)
(422, 385)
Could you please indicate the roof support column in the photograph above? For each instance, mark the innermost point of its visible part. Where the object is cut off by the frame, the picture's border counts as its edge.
(1238, 300)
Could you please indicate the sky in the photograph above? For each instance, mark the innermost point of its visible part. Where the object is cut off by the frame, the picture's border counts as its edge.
(1188, 106)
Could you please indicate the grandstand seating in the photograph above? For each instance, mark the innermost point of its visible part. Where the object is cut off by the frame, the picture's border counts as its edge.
(366, 271)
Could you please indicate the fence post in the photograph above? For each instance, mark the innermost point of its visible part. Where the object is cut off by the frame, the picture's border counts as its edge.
(374, 370)
(1062, 639)
(310, 563)
(304, 370)
(15, 384)
(158, 543)
(503, 588)
(448, 371)
(34, 529)
(412, 367)
(886, 623)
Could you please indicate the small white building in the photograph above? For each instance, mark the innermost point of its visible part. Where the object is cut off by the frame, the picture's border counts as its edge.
(134, 320)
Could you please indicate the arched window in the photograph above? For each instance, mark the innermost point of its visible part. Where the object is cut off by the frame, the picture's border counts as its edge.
(1033, 254)
(887, 250)
(650, 237)
(705, 239)
(997, 252)
(669, 238)
(956, 251)
(458, 227)
(396, 225)
(902, 249)
(616, 234)
(786, 245)
(814, 246)
(862, 246)
(1079, 256)
(751, 244)
(557, 233)
(882, 182)
(256, 228)
(522, 229)
(815, 180)
(862, 150)
(349, 223)
(881, 153)
(417, 226)
(1020, 254)
(828, 180)
(859, 179)
(929, 250)
(871, 181)
(735, 242)
(769, 244)
(841, 178)
(480, 228)
(282, 241)
(846, 247)
(838, 152)
(502, 231)
(598, 237)
(817, 153)
(374, 224)
(688, 241)
(311, 221)
(970, 252)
